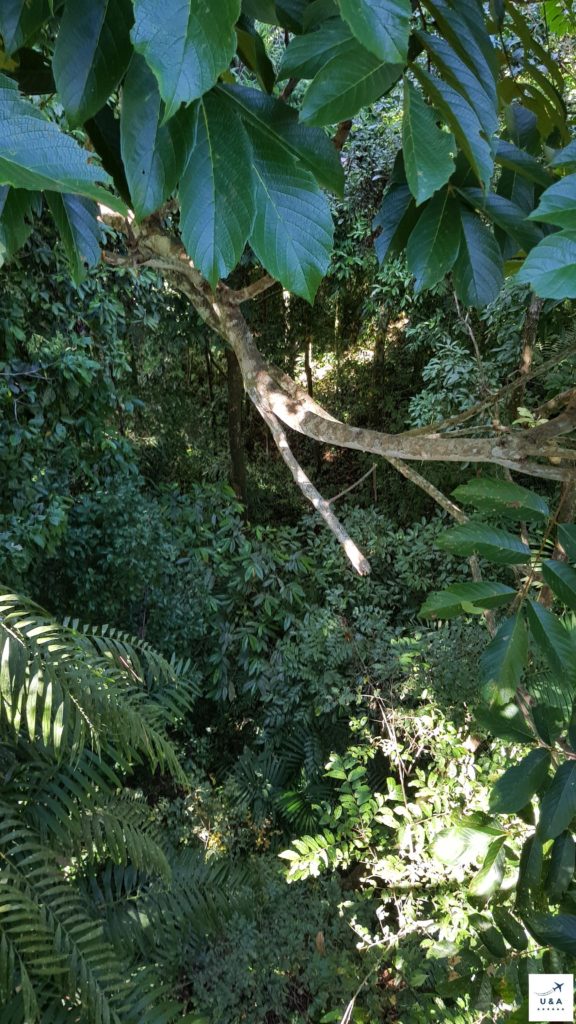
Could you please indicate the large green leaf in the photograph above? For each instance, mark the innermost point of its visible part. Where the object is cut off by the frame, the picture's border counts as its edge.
(556, 930)
(261, 10)
(567, 538)
(506, 722)
(553, 639)
(153, 153)
(428, 151)
(382, 26)
(293, 231)
(562, 864)
(311, 146)
(290, 14)
(559, 802)
(103, 130)
(17, 207)
(433, 245)
(79, 228)
(35, 154)
(522, 163)
(478, 274)
(558, 204)
(550, 267)
(504, 658)
(91, 54)
(530, 871)
(396, 218)
(566, 157)
(462, 78)
(502, 497)
(477, 539)
(317, 12)
(506, 215)
(20, 20)
(217, 191)
(518, 785)
(489, 878)
(464, 28)
(307, 54)
(252, 53)
(466, 597)
(461, 117)
(562, 581)
(187, 44)
(347, 83)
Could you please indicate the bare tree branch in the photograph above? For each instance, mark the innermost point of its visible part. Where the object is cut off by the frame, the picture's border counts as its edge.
(250, 291)
(353, 553)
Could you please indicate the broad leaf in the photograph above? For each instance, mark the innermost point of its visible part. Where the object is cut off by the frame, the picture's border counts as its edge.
(488, 935)
(290, 14)
(17, 207)
(80, 230)
(567, 538)
(467, 597)
(511, 929)
(506, 722)
(562, 864)
(396, 219)
(502, 497)
(457, 112)
(103, 130)
(558, 204)
(558, 805)
(252, 53)
(518, 160)
(566, 157)
(317, 12)
(293, 231)
(382, 26)
(347, 83)
(153, 153)
(428, 151)
(186, 44)
(20, 20)
(260, 10)
(35, 154)
(506, 215)
(217, 191)
(463, 843)
(433, 245)
(465, 80)
(489, 878)
(556, 930)
(463, 26)
(505, 657)
(307, 54)
(478, 274)
(550, 268)
(516, 787)
(311, 146)
(530, 871)
(562, 581)
(91, 54)
(477, 539)
(553, 639)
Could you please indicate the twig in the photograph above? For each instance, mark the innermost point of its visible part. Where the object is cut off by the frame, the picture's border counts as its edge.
(352, 486)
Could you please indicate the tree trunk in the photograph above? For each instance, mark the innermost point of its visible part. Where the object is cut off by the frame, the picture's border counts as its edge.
(236, 427)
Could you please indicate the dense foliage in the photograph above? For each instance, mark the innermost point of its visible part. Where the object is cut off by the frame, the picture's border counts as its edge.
(262, 788)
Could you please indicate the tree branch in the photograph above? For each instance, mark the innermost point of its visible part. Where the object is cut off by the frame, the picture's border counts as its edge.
(353, 553)
(250, 291)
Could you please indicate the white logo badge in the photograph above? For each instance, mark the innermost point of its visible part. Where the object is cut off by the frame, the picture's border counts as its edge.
(550, 997)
